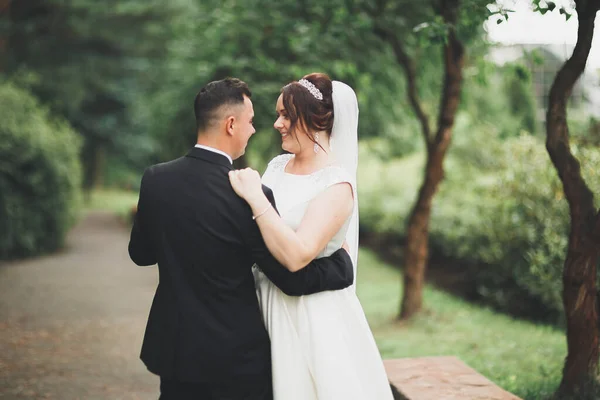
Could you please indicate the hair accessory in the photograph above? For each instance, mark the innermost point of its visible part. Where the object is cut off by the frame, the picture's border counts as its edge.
(311, 88)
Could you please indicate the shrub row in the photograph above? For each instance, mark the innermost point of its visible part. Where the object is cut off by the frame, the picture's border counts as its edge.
(40, 176)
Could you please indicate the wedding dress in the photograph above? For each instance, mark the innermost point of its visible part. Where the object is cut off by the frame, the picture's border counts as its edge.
(321, 345)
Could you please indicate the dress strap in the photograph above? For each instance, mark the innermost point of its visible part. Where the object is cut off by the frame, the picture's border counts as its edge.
(278, 163)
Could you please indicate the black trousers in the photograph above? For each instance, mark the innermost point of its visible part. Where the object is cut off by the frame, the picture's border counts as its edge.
(259, 389)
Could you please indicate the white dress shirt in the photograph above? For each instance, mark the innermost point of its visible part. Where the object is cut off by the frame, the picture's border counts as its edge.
(200, 146)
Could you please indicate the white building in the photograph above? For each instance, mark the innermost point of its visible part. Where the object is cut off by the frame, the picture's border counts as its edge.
(530, 35)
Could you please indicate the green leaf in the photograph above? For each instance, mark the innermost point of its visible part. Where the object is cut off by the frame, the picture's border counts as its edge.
(566, 14)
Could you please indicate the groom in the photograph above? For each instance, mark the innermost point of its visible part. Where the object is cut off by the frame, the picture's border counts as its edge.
(205, 337)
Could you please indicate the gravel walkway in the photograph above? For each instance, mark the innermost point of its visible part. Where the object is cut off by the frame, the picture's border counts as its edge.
(71, 324)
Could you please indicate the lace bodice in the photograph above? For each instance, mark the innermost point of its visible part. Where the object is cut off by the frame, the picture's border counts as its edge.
(293, 193)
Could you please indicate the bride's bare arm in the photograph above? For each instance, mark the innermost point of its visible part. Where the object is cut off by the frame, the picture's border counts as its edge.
(324, 217)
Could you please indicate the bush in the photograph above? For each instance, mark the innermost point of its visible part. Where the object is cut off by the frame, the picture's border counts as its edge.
(386, 190)
(40, 176)
(507, 224)
(513, 229)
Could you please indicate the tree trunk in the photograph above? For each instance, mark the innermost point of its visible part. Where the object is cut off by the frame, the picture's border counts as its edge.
(579, 276)
(99, 166)
(417, 239)
(4, 13)
(580, 371)
(93, 162)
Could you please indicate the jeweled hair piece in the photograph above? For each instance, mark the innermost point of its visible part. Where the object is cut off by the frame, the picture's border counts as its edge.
(311, 88)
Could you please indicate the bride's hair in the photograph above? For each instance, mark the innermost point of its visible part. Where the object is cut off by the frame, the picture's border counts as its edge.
(305, 110)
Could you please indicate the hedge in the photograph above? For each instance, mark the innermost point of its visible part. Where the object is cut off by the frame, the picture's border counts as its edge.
(40, 176)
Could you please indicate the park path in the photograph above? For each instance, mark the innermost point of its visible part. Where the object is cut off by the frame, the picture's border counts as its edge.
(71, 324)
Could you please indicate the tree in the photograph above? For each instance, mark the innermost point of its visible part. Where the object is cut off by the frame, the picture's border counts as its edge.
(267, 45)
(448, 18)
(88, 62)
(579, 277)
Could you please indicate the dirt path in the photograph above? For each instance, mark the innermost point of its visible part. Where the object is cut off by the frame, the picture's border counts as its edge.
(71, 324)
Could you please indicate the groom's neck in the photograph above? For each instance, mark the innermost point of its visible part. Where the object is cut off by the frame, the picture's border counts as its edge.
(215, 142)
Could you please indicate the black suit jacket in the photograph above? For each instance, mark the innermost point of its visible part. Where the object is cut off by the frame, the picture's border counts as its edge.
(205, 324)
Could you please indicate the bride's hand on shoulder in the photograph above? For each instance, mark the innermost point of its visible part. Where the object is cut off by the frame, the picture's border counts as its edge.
(246, 183)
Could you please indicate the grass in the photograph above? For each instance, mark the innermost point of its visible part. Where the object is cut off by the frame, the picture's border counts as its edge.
(522, 357)
(119, 201)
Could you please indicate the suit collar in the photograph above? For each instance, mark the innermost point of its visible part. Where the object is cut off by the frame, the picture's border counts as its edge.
(210, 156)
(214, 150)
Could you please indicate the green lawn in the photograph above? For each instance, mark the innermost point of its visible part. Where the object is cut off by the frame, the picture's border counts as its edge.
(119, 201)
(521, 357)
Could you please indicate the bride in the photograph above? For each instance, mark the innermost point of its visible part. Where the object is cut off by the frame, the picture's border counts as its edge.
(321, 344)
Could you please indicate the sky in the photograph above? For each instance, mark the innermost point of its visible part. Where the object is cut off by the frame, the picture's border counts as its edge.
(526, 26)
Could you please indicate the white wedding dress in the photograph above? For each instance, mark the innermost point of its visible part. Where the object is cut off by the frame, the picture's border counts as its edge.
(321, 345)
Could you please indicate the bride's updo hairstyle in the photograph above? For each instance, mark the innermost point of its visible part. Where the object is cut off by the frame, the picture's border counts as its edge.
(303, 107)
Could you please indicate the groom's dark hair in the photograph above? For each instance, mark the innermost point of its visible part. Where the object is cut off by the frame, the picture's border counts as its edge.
(212, 97)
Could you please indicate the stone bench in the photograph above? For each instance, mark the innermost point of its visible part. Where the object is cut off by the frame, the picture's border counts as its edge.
(440, 378)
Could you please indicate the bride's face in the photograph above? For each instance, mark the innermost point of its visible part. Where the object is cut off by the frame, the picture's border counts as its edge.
(290, 141)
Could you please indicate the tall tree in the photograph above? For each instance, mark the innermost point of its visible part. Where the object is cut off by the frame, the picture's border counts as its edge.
(580, 371)
(444, 18)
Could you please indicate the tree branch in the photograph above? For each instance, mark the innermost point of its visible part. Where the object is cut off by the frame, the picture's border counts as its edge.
(411, 78)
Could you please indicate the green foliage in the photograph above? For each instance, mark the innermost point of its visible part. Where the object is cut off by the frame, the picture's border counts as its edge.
(512, 230)
(551, 6)
(501, 99)
(121, 202)
(386, 190)
(268, 45)
(506, 220)
(275, 43)
(125, 74)
(40, 176)
(519, 88)
(120, 175)
(92, 65)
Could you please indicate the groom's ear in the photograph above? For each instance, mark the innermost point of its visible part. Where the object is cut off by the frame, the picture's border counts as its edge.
(229, 123)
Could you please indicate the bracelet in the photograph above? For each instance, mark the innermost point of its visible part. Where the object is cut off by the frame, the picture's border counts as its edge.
(255, 217)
